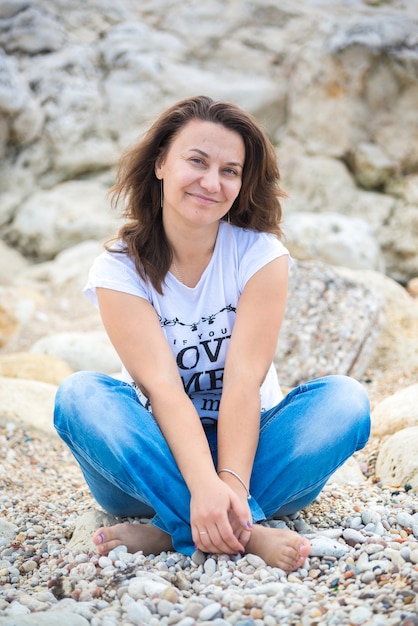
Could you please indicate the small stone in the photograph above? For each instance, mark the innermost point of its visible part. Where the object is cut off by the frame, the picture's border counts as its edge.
(104, 561)
(171, 594)
(209, 566)
(367, 577)
(255, 561)
(28, 566)
(164, 607)
(353, 537)
(413, 557)
(360, 614)
(405, 519)
(86, 571)
(211, 611)
(323, 546)
(138, 614)
(116, 552)
(198, 557)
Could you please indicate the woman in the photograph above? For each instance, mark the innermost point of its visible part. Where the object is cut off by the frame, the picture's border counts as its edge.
(192, 295)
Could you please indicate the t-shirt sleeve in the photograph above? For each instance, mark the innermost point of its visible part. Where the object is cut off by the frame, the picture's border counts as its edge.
(260, 250)
(114, 270)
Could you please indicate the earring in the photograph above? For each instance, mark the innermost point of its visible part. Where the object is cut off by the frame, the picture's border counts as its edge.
(161, 194)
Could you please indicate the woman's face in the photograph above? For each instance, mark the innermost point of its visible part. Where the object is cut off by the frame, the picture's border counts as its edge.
(201, 173)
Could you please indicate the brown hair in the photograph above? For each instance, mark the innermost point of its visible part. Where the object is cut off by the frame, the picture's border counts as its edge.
(257, 206)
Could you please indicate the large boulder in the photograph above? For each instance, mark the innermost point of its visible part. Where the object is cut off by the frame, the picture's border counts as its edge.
(396, 412)
(51, 220)
(334, 239)
(81, 350)
(28, 403)
(397, 461)
(331, 325)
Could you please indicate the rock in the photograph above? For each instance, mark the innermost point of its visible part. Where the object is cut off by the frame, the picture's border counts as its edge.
(329, 338)
(401, 253)
(8, 531)
(86, 526)
(211, 611)
(348, 474)
(350, 47)
(405, 187)
(353, 537)
(28, 403)
(68, 80)
(48, 618)
(397, 462)
(396, 412)
(11, 263)
(67, 271)
(52, 220)
(396, 348)
(138, 614)
(31, 366)
(81, 350)
(372, 167)
(333, 239)
(324, 546)
(412, 287)
(32, 31)
(17, 307)
(360, 615)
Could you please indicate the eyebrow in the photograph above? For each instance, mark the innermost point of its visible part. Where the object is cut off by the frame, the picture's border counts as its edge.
(205, 154)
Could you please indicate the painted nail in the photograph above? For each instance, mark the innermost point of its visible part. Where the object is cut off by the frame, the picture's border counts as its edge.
(100, 537)
(249, 525)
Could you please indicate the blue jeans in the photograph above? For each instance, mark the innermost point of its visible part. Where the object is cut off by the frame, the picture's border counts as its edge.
(131, 471)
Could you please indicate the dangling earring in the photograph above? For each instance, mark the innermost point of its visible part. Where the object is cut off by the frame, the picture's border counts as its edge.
(228, 218)
(161, 194)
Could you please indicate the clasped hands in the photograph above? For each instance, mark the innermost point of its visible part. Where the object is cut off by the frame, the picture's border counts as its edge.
(220, 518)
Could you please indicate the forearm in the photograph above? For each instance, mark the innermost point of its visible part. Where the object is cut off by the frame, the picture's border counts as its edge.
(183, 431)
(238, 433)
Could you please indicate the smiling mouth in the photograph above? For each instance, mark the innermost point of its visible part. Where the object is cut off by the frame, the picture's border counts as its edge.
(205, 199)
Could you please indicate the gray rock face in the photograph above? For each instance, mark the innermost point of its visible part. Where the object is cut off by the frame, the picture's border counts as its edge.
(338, 81)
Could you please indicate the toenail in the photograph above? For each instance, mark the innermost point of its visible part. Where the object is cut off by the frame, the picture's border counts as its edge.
(100, 537)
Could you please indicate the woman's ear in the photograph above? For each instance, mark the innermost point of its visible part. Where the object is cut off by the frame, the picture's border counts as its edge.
(159, 162)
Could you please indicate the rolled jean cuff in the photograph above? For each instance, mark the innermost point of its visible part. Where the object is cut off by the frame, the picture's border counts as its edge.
(257, 512)
(157, 521)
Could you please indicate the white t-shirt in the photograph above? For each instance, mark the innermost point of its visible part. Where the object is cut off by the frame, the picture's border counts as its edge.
(198, 321)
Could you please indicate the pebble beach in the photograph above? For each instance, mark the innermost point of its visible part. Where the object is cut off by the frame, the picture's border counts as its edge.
(363, 568)
(335, 84)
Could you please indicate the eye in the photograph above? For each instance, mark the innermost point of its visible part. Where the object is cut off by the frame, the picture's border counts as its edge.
(197, 160)
(230, 171)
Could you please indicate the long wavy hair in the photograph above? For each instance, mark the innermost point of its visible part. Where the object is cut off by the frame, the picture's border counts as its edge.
(257, 206)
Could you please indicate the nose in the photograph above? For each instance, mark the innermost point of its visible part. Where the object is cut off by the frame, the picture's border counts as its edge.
(210, 180)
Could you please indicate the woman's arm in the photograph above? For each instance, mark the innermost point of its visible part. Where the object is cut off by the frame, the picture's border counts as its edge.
(251, 351)
(134, 329)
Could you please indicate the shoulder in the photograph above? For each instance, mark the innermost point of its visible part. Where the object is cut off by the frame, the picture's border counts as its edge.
(115, 269)
(246, 240)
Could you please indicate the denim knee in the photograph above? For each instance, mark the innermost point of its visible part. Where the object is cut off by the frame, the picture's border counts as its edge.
(70, 394)
(353, 402)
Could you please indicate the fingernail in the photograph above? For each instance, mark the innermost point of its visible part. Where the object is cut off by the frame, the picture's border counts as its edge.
(249, 525)
(100, 537)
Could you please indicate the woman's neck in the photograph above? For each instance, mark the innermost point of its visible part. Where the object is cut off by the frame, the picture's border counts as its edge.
(192, 252)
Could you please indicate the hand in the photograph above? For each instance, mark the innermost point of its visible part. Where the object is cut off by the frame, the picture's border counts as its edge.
(219, 518)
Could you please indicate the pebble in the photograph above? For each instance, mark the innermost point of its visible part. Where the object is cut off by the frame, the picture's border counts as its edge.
(362, 568)
(324, 546)
(211, 611)
(353, 537)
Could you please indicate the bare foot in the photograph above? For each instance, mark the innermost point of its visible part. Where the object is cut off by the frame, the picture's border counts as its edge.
(136, 537)
(278, 547)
